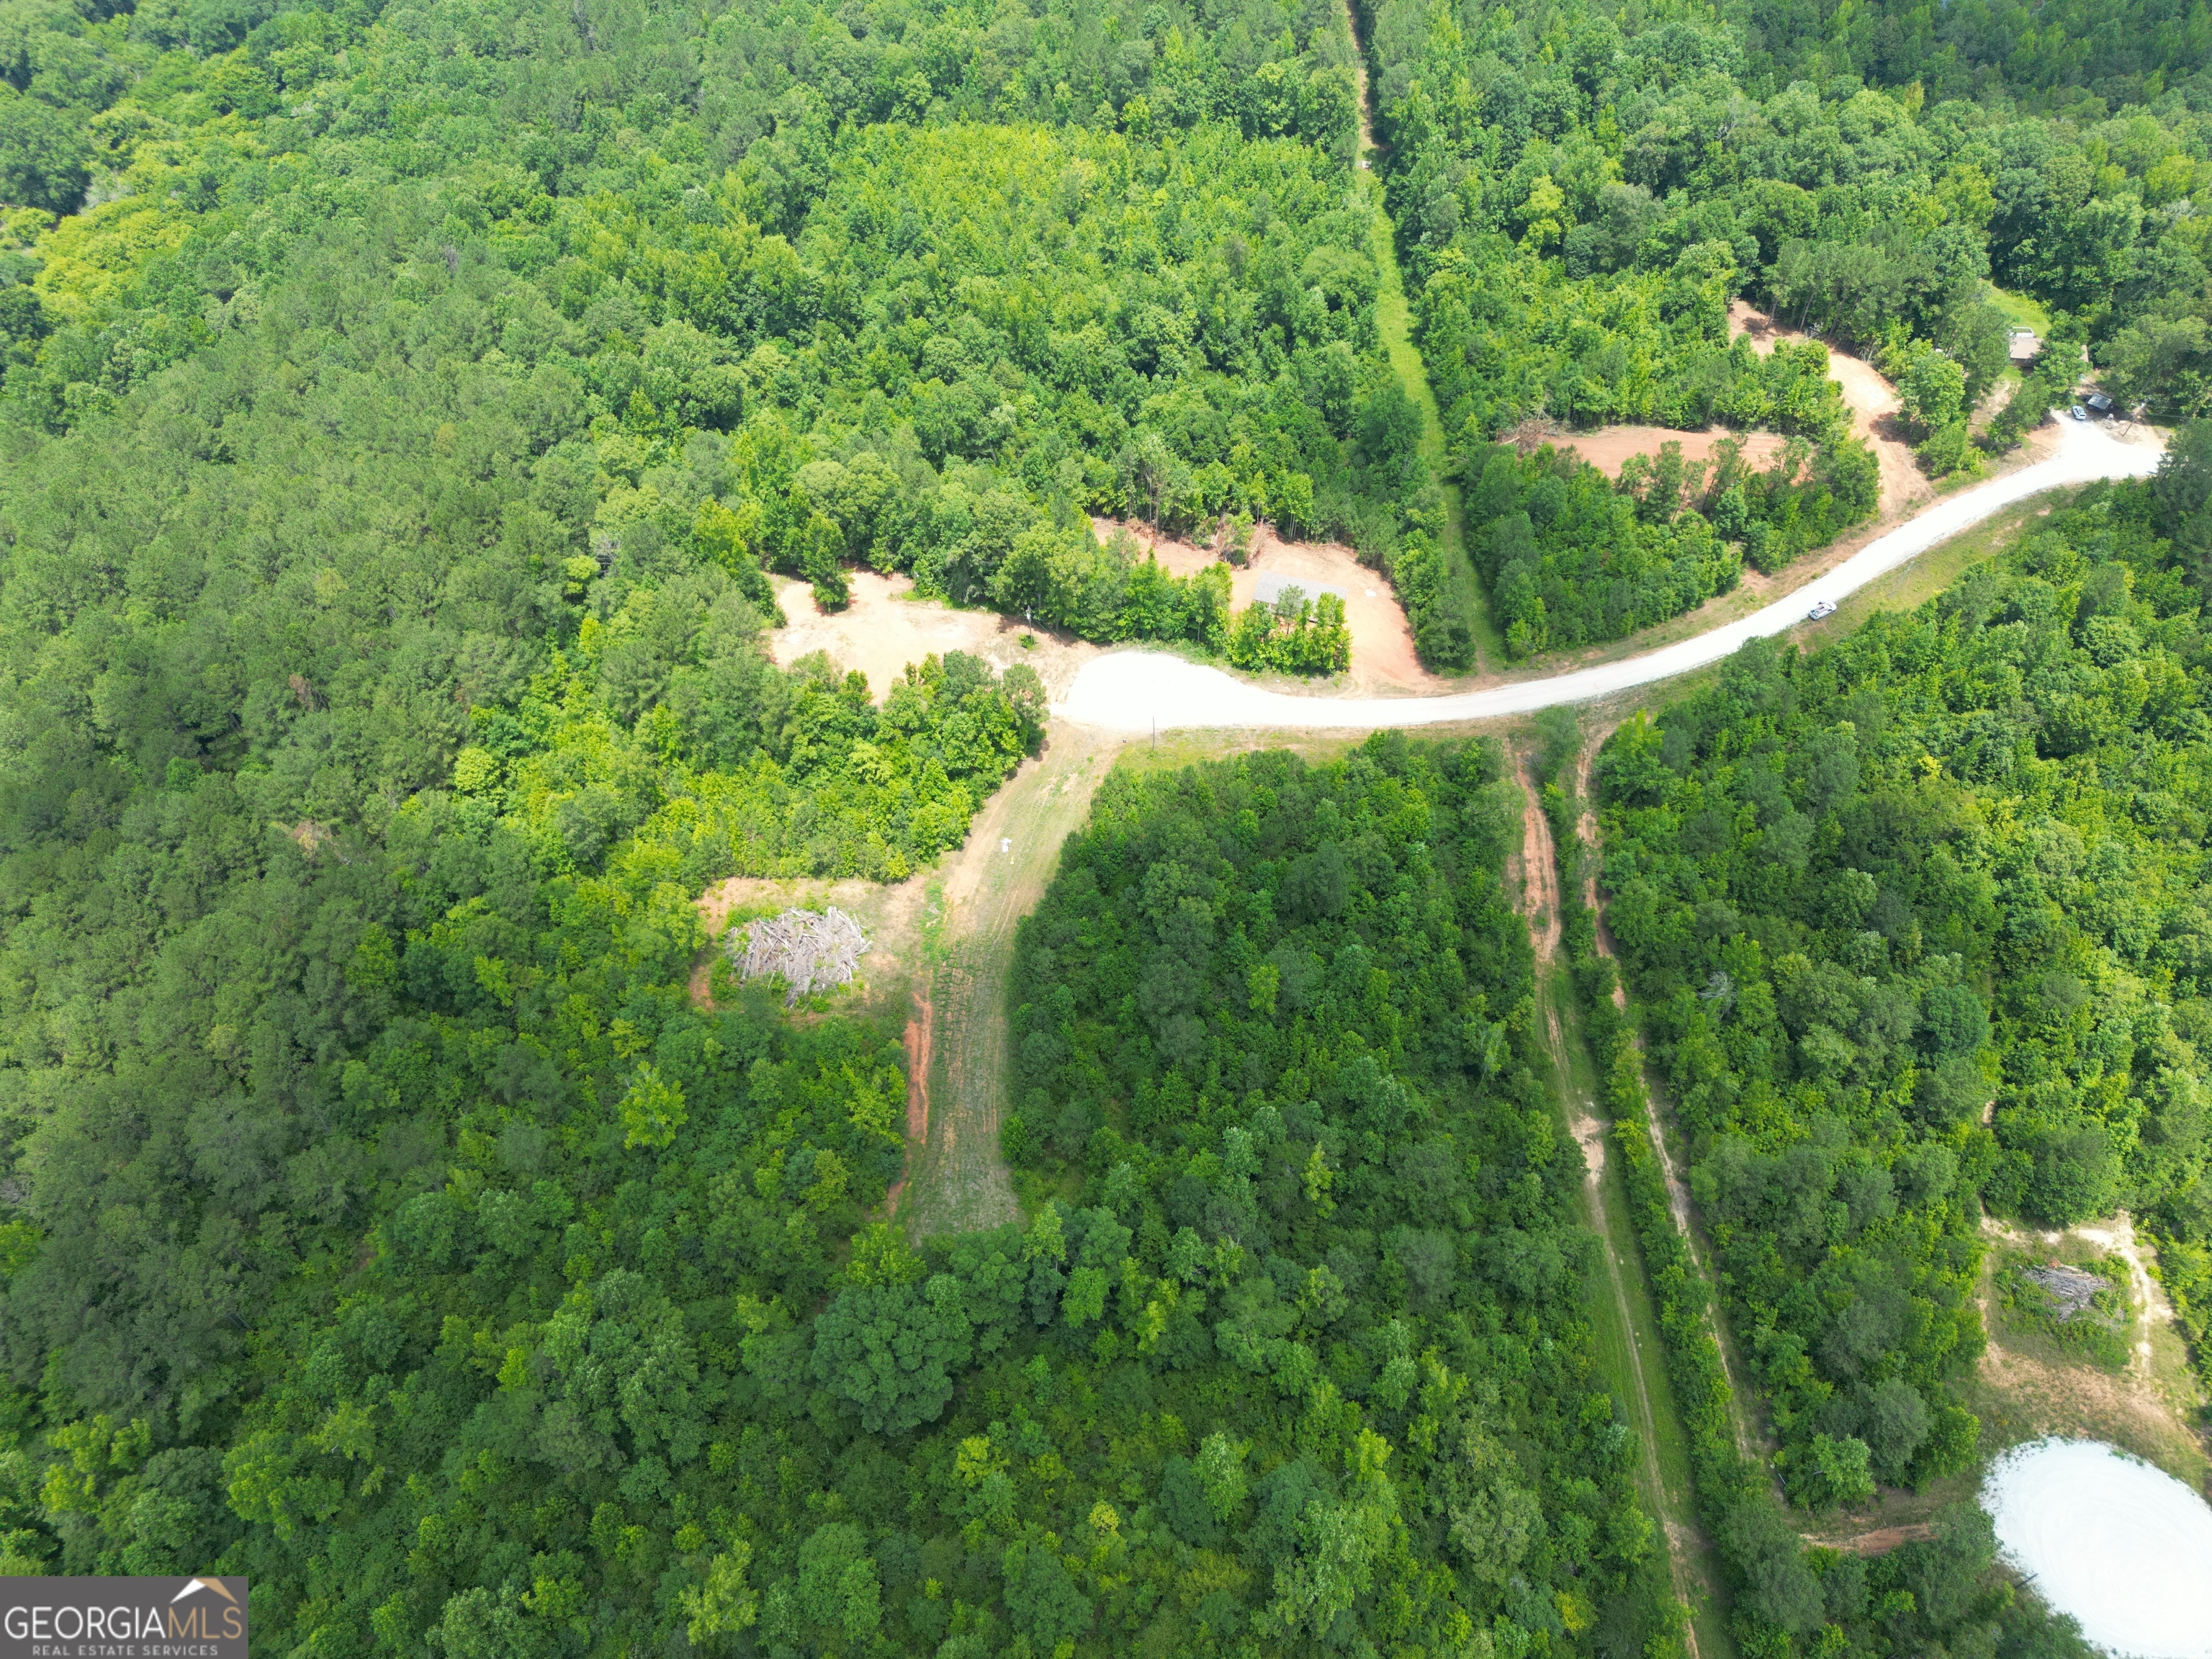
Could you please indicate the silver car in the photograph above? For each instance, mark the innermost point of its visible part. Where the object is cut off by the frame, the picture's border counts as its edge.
(1821, 608)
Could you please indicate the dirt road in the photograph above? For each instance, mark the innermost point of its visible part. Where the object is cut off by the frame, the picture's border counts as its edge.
(1624, 1323)
(1750, 1439)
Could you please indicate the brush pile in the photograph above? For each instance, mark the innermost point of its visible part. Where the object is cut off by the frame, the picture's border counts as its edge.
(2070, 1289)
(812, 949)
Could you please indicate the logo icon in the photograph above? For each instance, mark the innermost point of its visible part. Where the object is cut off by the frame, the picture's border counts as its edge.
(215, 1585)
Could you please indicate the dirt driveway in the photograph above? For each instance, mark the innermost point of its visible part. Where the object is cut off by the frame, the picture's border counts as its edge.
(1382, 655)
(961, 1039)
(1874, 411)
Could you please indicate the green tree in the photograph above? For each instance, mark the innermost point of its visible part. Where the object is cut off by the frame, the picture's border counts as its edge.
(723, 1605)
(1042, 1599)
(838, 1580)
(2183, 488)
(890, 1349)
(652, 1108)
(479, 1625)
(1933, 390)
(46, 160)
(1220, 1468)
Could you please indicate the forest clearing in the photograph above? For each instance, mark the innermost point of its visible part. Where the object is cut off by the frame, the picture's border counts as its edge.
(959, 1178)
(2037, 1377)
(1383, 657)
(1128, 690)
(885, 626)
(1610, 447)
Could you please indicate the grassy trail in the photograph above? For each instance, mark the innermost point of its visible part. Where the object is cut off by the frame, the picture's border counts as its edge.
(958, 1179)
(1752, 1438)
(1624, 1321)
(1394, 322)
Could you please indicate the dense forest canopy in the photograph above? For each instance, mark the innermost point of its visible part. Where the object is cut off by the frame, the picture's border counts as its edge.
(404, 409)
(1919, 922)
(2065, 57)
(1287, 1018)
(397, 427)
(767, 222)
(1283, 1016)
(1610, 178)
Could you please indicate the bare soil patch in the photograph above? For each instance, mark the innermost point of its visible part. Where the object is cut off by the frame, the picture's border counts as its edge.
(1875, 407)
(919, 1031)
(1609, 447)
(2024, 1398)
(1882, 1540)
(885, 628)
(1539, 867)
(1383, 654)
(1182, 558)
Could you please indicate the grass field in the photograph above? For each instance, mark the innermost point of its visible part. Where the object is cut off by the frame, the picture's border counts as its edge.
(2021, 310)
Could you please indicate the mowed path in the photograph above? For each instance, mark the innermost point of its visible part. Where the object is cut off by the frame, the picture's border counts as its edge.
(1624, 1320)
(957, 1179)
(1394, 326)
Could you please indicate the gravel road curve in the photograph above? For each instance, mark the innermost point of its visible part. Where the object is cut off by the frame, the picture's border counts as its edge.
(1146, 691)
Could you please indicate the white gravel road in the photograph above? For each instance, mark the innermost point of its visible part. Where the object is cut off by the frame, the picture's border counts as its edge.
(1146, 691)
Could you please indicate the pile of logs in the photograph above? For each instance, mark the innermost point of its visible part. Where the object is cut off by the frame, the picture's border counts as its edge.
(812, 949)
(2070, 1289)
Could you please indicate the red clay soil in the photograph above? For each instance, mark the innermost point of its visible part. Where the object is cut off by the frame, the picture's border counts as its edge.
(1873, 405)
(1872, 400)
(919, 1030)
(1609, 447)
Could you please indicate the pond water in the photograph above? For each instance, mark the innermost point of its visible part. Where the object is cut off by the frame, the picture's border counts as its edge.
(2125, 1547)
